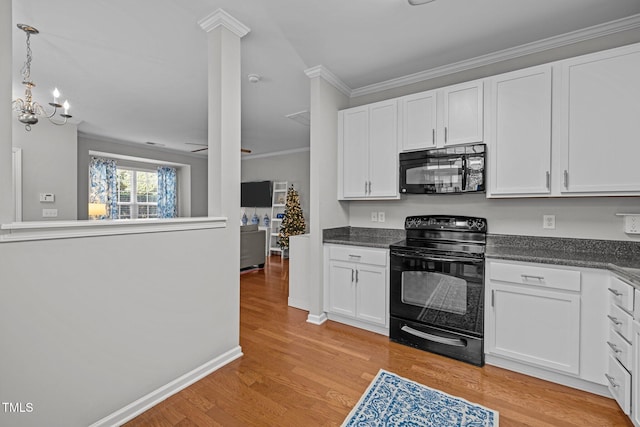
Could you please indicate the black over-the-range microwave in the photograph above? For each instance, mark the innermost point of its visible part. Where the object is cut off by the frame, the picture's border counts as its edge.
(449, 170)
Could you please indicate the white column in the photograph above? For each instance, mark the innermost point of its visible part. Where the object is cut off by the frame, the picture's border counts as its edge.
(328, 96)
(224, 34)
(6, 193)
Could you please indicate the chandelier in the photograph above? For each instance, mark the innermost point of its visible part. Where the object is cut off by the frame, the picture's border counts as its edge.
(29, 110)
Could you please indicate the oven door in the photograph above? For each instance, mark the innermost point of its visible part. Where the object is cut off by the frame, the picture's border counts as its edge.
(439, 290)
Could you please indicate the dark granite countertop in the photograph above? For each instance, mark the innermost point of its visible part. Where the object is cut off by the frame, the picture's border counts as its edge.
(621, 257)
(362, 236)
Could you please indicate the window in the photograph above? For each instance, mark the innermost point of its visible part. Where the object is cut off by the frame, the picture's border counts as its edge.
(123, 187)
(137, 192)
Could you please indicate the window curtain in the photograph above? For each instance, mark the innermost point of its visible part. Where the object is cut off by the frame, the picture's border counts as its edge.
(167, 200)
(103, 185)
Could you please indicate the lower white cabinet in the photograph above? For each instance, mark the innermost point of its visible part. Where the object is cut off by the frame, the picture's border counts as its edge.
(621, 335)
(635, 367)
(546, 320)
(357, 286)
(533, 320)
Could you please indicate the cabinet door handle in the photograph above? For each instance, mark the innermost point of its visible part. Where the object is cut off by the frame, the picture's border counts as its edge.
(615, 292)
(369, 187)
(613, 347)
(352, 275)
(365, 187)
(493, 297)
(611, 381)
(548, 180)
(528, 276)
(566, 179)
(445, 135)
(356, 275)
(614, 320)
(433, 136)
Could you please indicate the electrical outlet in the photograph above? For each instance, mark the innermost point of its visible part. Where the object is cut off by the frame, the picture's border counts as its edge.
(374, 216)
(381, 217)
(49, 213)
(549, 221)
(631, 224)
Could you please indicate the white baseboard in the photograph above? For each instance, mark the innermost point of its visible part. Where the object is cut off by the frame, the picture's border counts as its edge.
(136, 408)
(317, 319)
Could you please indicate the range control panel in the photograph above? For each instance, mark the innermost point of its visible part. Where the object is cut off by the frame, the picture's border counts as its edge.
(434, 222)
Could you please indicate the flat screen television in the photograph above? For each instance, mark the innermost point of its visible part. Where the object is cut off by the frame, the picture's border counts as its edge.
(255, 194)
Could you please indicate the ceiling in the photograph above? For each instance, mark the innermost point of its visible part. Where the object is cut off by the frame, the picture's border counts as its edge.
(135, 71)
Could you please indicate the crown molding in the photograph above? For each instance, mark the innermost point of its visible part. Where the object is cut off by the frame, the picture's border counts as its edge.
(220, 17)
(275, 153)
(573, 37)
(322, 71)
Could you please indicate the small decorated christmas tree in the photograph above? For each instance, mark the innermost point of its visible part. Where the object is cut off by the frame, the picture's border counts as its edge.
(293, 222)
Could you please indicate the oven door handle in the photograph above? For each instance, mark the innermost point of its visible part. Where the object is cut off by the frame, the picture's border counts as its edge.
(438, 258)
(442, 340)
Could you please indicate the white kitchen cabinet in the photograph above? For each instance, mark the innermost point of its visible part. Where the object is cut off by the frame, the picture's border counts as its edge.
(598, 123)
(418, 112)
(357, 286)
(448, 116)
(635, 378)
(536, 326)
(619, 343)
(518, 133)
(546, 320)
(368, 152)
(463, 108)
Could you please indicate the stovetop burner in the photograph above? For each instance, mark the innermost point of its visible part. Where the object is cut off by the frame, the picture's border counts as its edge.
(449, 234)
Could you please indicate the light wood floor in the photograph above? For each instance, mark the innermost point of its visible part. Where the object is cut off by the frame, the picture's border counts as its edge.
(297, 374)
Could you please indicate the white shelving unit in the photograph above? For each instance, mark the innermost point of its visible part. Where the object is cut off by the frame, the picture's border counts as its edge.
(278, 203)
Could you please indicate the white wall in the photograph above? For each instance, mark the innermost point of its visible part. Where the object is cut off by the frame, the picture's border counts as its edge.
(325, 209)
(6, 114)
(290, 167)
(79, 345)
(90, 325)
(587, 217)
(198, 169)
(49, 162)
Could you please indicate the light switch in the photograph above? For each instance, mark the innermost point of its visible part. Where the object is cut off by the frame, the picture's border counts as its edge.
(47, 197)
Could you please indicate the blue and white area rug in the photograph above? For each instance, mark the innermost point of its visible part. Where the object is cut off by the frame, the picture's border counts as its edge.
(391, 400)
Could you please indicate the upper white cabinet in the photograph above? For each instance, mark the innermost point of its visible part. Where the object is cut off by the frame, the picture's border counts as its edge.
(518, 133)
(368, 152)
(418, 112)
(437, 118)
(463, 113)
(598, 123)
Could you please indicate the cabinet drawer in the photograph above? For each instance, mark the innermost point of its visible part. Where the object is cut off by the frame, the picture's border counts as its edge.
(358, 255)
(620, 349)
(621, 293)
(620, 321)
(619, 383)
(536, 276)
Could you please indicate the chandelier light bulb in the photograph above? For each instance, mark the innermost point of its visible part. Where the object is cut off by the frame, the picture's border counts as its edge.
(29, 110)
